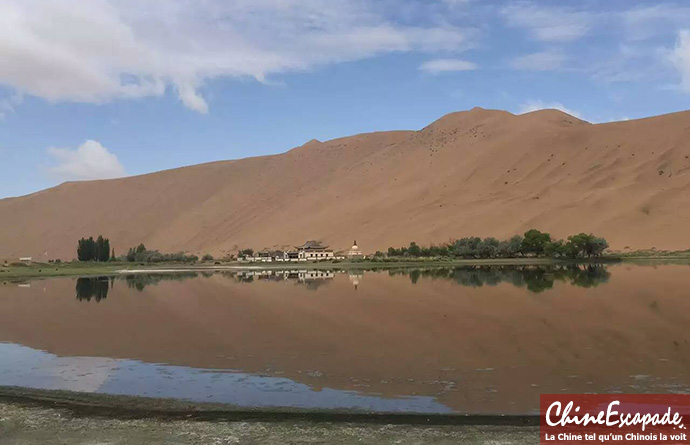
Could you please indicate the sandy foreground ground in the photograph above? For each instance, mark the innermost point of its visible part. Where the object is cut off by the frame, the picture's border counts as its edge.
(20, 425)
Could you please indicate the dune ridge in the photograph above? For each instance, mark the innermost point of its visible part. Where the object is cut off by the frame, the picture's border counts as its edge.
(478, 172)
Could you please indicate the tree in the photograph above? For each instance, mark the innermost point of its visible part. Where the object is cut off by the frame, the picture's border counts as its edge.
(488, 248)
(245, 252)
(414, 249)
(105, 250)
(586, 245)
(554, 248)
(535, 242)
(466, 247)
(207, 257)
(90, 250)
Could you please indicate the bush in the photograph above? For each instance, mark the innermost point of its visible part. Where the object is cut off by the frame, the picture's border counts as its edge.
(534, 243)
(207, 257)
(141, 254)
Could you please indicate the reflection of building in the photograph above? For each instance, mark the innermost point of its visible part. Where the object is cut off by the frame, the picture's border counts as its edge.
(312, 278)
(310, 275)
(355, 253)
(355, 279)
(314, 250)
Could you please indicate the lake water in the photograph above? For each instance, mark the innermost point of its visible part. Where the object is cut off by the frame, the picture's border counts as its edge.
(464, 340)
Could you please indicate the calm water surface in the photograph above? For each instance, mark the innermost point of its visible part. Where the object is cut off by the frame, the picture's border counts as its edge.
(465, 340)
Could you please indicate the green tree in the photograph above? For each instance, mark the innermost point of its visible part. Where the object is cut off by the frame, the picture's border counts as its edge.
(245, 252)
(488, 248)
(534, 242)
(586, 245)
(414, 249)
(105, 250)
(554, 249)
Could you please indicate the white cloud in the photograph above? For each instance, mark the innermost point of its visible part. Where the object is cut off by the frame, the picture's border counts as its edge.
(680, 57)
(542, 61)
(645, 22)
(535, 105)
(447, 65)
(548, 24)
(88, 161)
(100, 50)
(8, 104)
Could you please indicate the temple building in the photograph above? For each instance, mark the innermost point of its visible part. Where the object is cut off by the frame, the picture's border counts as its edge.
(314, 251)
(355, 253)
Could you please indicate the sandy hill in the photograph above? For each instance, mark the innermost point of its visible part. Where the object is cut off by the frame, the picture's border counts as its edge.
(478, 172)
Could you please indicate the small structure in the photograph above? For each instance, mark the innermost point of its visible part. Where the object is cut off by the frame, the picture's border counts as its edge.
(314, 251)
(355, 253)
(26, 260)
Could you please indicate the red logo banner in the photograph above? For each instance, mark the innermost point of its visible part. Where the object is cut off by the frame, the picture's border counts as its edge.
(615, 418)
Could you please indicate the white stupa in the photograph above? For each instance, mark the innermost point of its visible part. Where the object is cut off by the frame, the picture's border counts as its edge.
(354, 252)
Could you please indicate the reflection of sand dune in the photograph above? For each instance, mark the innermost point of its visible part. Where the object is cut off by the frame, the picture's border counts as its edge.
(492, 348)
(481, 172)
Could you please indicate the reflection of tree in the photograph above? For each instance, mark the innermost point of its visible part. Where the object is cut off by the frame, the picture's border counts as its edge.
(92, 287)
(141, 280)
(534, 278)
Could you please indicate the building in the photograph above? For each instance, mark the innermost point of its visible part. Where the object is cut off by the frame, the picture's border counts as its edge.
(314, 251)
(355, 253)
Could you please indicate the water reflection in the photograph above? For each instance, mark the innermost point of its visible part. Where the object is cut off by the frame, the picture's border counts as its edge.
(95, 288)
(533, 278)
(472, 339)
(139, 281)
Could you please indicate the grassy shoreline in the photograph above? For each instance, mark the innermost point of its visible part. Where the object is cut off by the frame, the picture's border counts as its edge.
(74, 269)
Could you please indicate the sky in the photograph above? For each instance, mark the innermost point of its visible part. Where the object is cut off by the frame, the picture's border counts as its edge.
(109, 88)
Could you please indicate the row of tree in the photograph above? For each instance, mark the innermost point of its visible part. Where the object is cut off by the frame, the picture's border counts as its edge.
(532, 244)
(141, 254)
(89, 249)
(99, 250)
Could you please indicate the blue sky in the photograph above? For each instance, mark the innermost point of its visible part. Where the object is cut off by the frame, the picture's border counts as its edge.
(108, 88)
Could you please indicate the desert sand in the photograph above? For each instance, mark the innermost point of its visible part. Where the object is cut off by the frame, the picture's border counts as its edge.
(473, 173)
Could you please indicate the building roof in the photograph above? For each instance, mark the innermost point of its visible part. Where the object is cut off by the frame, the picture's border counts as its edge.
(312, 245)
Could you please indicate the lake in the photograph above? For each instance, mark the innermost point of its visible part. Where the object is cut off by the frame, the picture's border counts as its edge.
(473, 340)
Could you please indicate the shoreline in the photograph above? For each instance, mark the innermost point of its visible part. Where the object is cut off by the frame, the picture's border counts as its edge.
(75, 269)
(122, 407)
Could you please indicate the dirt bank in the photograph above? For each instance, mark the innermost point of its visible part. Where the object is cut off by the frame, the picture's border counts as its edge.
(59, 417)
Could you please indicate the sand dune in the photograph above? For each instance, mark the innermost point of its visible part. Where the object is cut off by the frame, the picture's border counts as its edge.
(479, 172)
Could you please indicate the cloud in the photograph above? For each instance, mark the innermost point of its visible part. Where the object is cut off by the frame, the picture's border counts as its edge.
(548, 24)
(97, 51)
(447, 65)
(542, 61)
(644, 22)
(535, 105)
(88, 161)
(8, 104)
(680, 57)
